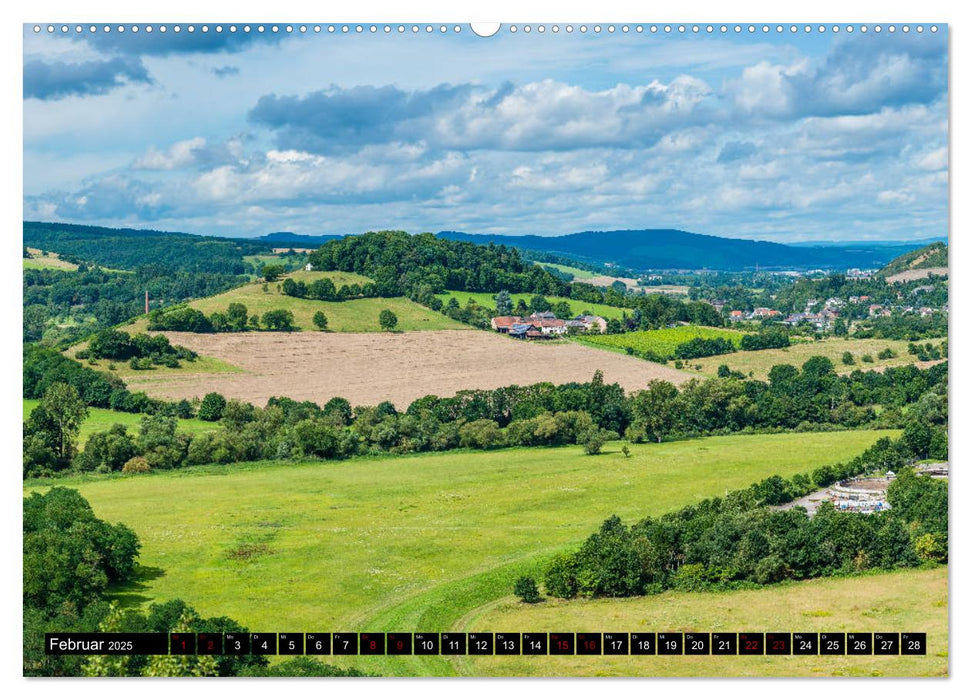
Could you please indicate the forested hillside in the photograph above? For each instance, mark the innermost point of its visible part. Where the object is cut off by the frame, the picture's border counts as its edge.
(127, 249)
(400, 263)
(668, 249)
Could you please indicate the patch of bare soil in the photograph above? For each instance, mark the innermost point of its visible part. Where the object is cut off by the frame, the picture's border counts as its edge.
(910, 275)
(367, 368)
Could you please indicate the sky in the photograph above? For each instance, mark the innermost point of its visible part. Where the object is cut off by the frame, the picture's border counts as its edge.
(790, 136)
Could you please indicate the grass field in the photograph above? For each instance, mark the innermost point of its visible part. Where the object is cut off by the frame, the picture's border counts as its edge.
(51, 261)
(100, 419)
(663, 341)
(415, 542)
(202, 364)
(578, 274)
(336, 276)
(902, 601)
(352, 316)
(265, 259)
(577, 307)
(759, 362)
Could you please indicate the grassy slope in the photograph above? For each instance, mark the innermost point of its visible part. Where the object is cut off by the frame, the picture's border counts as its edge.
(202, 364)
(265, 259)
(353, 316)
(663, 341)
(100, 419)
(337, 277)
(412, 543)
(933, 255)
(51, 261)
(578, 307)
(903, 601)
(578, 274)
(759, 362)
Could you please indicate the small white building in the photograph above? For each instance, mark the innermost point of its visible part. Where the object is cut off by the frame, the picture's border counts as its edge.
(309, 267)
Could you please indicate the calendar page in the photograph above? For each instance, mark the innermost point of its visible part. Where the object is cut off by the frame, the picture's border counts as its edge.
(513, 350)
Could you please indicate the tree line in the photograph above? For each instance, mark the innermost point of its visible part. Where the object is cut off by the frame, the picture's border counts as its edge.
(128, 249)
(94, 298)
(234, 319)
(740, 541)
(324, 290)
(588, 414)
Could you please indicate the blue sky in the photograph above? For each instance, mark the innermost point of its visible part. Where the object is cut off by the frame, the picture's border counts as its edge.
(787, 137)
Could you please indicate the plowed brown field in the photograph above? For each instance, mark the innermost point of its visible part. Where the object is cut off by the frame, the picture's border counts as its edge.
(367, 368)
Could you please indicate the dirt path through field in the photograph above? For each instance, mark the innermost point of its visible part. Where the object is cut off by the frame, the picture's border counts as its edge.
(367, 368)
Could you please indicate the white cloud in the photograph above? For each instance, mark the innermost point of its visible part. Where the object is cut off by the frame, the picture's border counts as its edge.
(179, 155)
(935, 160)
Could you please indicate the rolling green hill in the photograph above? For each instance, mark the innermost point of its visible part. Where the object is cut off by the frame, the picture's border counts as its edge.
(933, 255)
(350, 316)
(410, 542)
(128, 249)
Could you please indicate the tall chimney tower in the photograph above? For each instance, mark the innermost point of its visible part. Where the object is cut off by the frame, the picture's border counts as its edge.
(146, 301)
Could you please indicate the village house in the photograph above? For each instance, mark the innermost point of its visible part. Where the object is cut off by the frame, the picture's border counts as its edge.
(548, 326)
(543, 325)
(504, 324)
(821, 320)
(590, 322)
(309, 267)
(762, 312)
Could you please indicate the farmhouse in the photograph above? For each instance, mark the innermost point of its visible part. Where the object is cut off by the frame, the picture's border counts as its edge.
(503, 324)
(543, 325)
(754, 315)
(589, 321)
(762, 312)
(821, 320)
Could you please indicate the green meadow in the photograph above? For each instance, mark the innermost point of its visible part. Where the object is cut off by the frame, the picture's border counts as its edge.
(663, 341)
(100, 419)
(351, 316)
(901, 601)
(410, 543)
(757, 363)
(578, 274)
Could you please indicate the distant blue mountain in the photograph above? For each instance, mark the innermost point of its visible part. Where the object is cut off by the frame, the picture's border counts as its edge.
(282, 239)
(669, 249)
